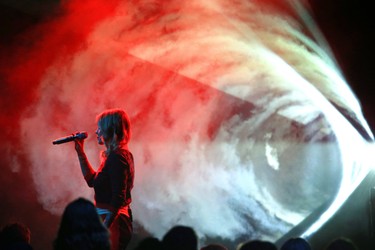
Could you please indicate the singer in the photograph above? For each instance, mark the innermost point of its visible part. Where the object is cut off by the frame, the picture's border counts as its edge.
(113, 181)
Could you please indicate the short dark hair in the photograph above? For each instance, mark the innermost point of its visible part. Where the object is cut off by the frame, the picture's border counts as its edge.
(296, 244)
(180, 237)
(15, 232)
(342, 243)
(258, 245)
(81, 228)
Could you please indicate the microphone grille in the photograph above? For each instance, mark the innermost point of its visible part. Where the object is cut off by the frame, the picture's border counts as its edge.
(82, 135)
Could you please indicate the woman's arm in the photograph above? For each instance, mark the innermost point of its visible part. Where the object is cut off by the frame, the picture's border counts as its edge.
(86, 167)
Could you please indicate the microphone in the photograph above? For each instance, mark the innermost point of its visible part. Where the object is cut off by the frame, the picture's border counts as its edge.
(78, 135)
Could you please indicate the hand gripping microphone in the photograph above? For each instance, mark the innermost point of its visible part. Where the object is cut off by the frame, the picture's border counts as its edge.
(78, 135)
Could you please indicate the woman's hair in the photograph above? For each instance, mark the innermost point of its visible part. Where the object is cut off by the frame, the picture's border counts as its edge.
(81, 228)
(115, 126)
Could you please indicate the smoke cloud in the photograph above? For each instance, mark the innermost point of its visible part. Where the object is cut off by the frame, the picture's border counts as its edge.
(235, 130)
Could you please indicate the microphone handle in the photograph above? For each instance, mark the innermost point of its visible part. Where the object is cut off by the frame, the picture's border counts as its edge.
(63, 140)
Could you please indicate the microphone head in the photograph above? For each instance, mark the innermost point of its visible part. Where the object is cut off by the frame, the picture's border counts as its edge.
(81, 135)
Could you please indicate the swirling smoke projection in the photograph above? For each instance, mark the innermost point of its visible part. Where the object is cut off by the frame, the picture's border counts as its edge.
(240, 115)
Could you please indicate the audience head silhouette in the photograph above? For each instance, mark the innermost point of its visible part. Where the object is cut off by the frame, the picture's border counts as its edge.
(149, 243)
(180, 237)
(214, 247)
(257, 245)
(342, 244)
(81, 228)
(296, 244)
(15, 236)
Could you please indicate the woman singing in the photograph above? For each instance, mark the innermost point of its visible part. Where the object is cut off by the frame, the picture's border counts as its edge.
(113, 181)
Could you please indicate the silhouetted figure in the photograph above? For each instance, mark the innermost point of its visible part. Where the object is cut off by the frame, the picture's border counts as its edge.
(214, 247)
(341, 244)
(296, 244)
(149, 243)
(257, 245)
(181, 238)
(15, 236)
(114, 179)
(81, 228)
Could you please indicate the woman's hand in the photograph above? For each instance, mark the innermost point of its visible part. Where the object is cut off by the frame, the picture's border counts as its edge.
(78, 144)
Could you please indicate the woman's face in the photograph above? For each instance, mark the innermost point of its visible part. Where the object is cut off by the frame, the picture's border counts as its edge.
(99, 136)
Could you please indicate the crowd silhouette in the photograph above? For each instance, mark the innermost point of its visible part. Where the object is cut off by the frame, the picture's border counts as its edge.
(81, 228)
(15, 236)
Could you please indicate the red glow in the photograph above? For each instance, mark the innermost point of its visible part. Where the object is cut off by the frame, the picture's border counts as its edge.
(23, 66)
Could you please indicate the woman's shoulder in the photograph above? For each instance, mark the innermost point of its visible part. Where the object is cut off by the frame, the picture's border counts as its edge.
(120, 154)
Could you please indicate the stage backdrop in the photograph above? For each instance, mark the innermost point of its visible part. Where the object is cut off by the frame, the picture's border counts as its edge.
(243, 123)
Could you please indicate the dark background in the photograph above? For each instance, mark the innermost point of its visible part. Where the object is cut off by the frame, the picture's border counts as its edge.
(349, 27)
